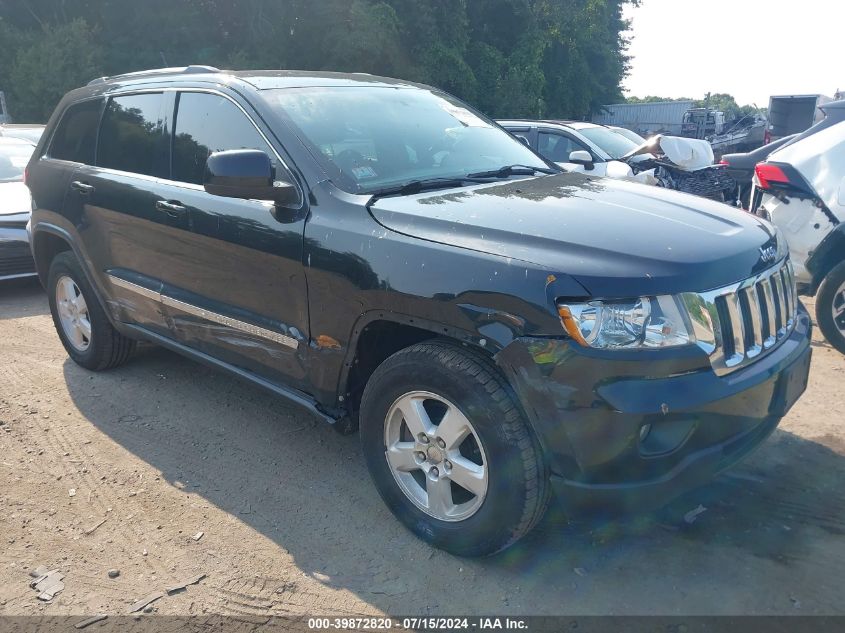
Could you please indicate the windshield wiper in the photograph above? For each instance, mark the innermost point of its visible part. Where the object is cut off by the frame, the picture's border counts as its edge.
(426, 184)
(416, 186)
(512, 170)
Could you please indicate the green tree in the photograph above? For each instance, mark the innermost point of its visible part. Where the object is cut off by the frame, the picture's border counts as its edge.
(45, 67)
(526, 58)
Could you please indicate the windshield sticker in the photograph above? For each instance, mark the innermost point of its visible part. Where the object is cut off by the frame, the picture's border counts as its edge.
(362, 173)
(467, 118)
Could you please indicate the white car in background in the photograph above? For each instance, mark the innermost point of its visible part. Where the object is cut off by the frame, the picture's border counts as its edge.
(576, 145)
(682, 164)
(15, 208)
(803, 194)
(27, 131)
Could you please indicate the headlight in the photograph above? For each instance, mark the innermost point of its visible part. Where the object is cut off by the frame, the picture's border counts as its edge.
(646, 322)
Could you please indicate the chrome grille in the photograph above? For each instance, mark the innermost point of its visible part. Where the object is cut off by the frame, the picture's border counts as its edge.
(739, 323)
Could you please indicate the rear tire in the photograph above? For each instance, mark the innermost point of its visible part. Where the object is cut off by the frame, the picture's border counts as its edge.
(427, 485)
(830, 307)
(83, 327)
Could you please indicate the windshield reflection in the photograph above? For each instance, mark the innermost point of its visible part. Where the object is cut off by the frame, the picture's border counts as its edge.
(369, 138)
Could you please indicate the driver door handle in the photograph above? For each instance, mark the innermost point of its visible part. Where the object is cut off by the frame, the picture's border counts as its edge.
(82, 187)
(172, 208)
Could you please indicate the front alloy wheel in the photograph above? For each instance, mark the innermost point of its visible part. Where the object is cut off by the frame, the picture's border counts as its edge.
(435, 456)
(450, 450)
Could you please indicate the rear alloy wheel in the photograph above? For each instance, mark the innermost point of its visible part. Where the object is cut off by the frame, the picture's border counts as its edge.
(73, 313)
(82, 324)
(450, 450)
(830, 307)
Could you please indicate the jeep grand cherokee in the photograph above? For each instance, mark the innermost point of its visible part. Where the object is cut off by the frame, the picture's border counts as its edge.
(387, 257)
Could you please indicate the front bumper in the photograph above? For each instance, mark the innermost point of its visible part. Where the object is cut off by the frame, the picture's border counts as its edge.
(589, 409)
(15, 255)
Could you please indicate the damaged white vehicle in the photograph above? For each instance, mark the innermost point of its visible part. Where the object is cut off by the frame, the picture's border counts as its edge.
(682, 164)
(803, 194)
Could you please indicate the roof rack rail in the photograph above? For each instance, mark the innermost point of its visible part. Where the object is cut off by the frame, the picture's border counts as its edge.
(180, 70)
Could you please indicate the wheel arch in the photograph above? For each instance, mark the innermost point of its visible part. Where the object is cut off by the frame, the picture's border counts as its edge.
(379, 334)
(830, 251)
(48, 240)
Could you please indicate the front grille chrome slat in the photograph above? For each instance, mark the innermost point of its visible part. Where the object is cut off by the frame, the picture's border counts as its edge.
(737, 324)
(783, 321)
(755, 314)
(737, 330)
(771, 314)
(789, 281)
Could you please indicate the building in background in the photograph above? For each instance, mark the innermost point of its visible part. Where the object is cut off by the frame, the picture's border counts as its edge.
(646, 119)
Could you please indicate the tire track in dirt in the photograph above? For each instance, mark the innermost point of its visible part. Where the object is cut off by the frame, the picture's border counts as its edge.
(66, 440)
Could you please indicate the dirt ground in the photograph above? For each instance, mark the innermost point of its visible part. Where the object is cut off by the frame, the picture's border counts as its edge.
(163, 449)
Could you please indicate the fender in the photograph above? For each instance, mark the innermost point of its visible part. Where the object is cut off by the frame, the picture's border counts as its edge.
(496, 334)
(830, 251)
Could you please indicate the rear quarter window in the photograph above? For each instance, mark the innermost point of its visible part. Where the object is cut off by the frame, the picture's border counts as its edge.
(76, 135)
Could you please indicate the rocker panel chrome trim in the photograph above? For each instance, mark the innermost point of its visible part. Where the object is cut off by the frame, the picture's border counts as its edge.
(208, 315)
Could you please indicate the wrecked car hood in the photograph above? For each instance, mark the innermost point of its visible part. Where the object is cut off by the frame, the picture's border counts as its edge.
(618, 239)
(689, 154)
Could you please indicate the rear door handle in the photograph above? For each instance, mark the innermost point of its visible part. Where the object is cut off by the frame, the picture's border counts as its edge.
(82, 187)
(173, 209)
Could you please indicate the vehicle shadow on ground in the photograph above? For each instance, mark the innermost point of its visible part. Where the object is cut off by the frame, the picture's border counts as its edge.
(19, 298)
(305, 487)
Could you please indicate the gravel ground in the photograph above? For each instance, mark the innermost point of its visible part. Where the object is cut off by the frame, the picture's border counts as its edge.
(164, 470)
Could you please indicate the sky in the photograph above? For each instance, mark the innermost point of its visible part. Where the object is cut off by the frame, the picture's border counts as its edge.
(751, 49)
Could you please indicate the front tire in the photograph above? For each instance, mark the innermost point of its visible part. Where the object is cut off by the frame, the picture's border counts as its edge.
(830, 307)
(450, 451)
(83, 327)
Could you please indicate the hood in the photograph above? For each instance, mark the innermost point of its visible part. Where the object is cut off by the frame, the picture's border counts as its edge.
(617, 239)
(14, 199)
(689, 154)
(820, 158)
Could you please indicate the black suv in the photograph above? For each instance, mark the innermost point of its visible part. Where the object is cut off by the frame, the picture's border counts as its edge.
(389, 258)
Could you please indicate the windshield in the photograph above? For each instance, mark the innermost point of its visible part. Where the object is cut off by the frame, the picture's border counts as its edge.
(615, 145)
(13, 160)
(630, 135)
(367, 138)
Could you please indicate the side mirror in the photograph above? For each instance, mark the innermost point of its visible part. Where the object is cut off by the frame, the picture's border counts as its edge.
(581, 157)
(248, 174)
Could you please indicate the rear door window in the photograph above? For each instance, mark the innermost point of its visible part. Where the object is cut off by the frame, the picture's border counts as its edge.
(76, 136)
(208, 123)
(132, 135)
(557, 147)
(522, 134)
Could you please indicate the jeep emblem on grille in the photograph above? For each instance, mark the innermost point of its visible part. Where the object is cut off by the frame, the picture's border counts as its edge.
(768, 254)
